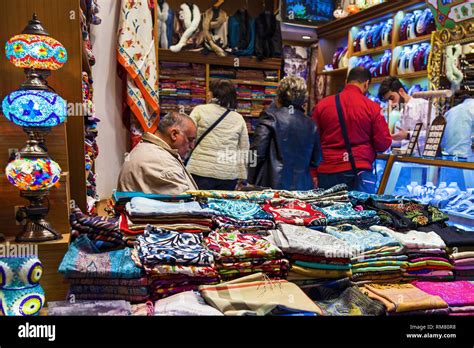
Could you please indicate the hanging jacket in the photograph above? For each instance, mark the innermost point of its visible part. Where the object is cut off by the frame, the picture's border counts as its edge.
(188, 33)
(287, 145)
(214, 27)
(165, 27)
(241, 33)
(268, 42)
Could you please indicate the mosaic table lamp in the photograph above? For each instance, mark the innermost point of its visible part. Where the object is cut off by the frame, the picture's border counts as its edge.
(36, 108)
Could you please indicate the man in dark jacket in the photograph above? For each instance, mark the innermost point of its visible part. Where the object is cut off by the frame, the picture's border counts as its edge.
(367, 131)
(285, 141)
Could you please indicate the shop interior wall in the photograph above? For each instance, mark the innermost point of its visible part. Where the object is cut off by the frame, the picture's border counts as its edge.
(61, 19)
(113, 136)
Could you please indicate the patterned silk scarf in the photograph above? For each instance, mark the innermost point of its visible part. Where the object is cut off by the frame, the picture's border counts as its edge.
(136, 53)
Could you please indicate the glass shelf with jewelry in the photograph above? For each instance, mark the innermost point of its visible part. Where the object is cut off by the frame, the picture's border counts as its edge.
(446, 183)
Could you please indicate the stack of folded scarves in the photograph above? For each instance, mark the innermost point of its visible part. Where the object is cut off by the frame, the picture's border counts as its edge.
(342, 298)
(95, 275)
(188, 217)
(174, 262)
(120, 199)
(240, 254)
(427, 257)
(313, 255)
(344, 213)
(377, 255)
(319, 197)
(460, 246)
(459, 295)
(102, 231)
(296, 212)
(405, 299)
(242, 215)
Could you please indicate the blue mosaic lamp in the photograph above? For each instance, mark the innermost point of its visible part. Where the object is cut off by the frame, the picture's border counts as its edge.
(36, 108)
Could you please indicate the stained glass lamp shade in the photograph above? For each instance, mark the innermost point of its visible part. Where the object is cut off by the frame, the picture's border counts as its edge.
(28, 51)
(33, 174)
(34, 108)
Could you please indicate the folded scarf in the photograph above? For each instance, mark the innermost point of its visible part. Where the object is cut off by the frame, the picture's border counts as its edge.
(237, 246)
(403, 297)
(320, 273)
(316, 265)
(159, 246)
(456, 294)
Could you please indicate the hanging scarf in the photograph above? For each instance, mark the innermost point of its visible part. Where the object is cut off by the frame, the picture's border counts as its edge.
(163, 14)
(190, 16)
(215, 31)
(136, 53)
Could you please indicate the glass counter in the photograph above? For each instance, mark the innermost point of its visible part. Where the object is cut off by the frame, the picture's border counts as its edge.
(445, 183)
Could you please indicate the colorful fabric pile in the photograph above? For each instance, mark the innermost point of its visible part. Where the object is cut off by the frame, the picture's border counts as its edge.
(296, 213)
(459, 295)
(95, 275)
(344, 213)
(427, 258)
(403, 299)
(377, 255)
(239, 215)
(460, 246)
(341, 298)
(257, 295)
(314, 255)
(102, 231)
(179, 216)
(240, 254)
(174, 261)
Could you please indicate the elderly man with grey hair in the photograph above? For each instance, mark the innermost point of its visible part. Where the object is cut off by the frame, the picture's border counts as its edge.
(286, 142)
(156, 165)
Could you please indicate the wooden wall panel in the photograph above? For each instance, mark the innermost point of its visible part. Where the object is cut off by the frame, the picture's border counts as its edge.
(61, 18)
(255, 7)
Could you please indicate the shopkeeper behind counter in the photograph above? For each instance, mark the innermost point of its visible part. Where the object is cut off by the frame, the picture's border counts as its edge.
(155, 165)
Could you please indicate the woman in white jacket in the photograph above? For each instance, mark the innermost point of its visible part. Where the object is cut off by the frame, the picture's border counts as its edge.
(221, 158)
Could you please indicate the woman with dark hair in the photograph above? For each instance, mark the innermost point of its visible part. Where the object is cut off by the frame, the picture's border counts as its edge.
(220, 157)
(286, 142)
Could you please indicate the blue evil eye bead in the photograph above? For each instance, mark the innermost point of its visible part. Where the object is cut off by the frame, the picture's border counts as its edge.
(3, 305)
(6, 275)
(28, 304)
(31, 271)
(34, 108)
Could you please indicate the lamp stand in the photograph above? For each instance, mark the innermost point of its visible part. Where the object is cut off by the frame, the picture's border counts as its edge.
(36, 228)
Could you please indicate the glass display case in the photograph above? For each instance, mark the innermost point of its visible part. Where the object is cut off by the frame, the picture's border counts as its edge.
(445, 183)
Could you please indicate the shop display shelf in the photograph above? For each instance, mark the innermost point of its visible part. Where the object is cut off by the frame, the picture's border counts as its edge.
(335, 71)
(414, 41)
(372, 51)
(414, 75)
(183, 78)
(250, 82)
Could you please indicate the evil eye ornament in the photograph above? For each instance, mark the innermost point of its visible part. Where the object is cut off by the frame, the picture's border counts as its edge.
(28, 304)
(31, 272)
(6, 275)
(2, 304)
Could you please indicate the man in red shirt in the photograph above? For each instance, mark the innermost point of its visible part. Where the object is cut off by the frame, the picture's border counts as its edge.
(367, 130)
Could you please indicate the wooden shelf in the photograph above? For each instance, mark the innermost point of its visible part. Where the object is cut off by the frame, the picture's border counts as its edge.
(414, 41)
(340, 27)
(414, 75)
(335, 71)
(378, 79)
(255, 99)
(250, 82)
(183, 78)
(372, 51)
(213, 59)
(183, 96)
